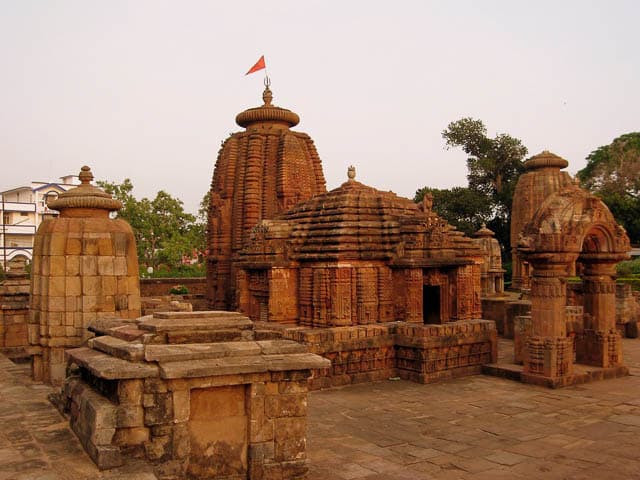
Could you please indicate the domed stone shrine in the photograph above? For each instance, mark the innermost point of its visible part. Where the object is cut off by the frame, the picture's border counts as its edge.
(543, 176)
(85, 267)
(492, 273)
(362, 263)
(260, 172)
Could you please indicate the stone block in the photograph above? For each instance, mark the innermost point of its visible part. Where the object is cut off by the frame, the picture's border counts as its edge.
(90, 246)
(181, 405)
(130, 392)
(126, 437)
(88, 265)
(129, 416)
(105, 265)
(161, 412)
(289, 405)
(73, 286)
(158, 448)
(290, 438)
(73, 246)
(72, 266)
(91, 285)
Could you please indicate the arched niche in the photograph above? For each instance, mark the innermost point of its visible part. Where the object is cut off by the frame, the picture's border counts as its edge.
(572, 233)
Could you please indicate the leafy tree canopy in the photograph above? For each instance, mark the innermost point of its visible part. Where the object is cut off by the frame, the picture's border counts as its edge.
(464, 208)
(613, 173)
(494, 164)
(164, 232)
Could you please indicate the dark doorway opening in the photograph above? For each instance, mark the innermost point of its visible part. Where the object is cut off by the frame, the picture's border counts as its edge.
(431, 304)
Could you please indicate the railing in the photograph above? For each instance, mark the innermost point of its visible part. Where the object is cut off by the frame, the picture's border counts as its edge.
(18, 229)
(18, 207)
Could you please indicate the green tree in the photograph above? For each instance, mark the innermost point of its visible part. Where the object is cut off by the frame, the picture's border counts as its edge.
(164, 232)
(494, 164)
(464, 208)
(613, 173)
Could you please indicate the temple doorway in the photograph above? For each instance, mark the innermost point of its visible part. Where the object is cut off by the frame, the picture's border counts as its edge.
(431, 304)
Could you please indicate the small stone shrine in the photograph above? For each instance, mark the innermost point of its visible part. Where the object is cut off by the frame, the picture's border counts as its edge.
(259, 173)
(198, 394)
(491, 271)
(84, 267)
(379, 285)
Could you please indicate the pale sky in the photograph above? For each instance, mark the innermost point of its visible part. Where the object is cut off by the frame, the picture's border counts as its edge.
(147, 89)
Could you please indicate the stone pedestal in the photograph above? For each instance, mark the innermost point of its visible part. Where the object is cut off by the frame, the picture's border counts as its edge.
(232, 408)
(599, 348)
(550, 357)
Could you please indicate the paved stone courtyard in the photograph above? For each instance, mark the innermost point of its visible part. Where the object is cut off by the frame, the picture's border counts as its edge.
(471, 428)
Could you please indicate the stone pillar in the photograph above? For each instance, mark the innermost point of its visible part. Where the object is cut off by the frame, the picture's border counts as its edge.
(549, 353)
(600, 343)
(85, 266)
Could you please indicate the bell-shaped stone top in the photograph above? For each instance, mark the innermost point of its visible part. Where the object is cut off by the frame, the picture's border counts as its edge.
(545, 159)
(267, 113)
(484, 232)
(85, 196)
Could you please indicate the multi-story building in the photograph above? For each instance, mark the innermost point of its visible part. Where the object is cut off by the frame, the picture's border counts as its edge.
(22, 209)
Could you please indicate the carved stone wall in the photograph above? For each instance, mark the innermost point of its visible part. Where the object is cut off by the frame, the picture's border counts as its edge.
(357, 256)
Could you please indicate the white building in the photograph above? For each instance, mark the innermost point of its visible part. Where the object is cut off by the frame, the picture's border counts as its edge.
(22, 209)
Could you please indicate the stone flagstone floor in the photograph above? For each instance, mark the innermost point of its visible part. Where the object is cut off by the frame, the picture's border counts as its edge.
(471, 428)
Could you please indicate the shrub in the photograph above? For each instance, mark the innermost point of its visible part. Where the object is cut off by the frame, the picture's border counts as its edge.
(629, 267)
(178, 290)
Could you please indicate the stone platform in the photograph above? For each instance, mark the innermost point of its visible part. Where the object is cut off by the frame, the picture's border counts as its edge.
(471, 428)
(505, 367)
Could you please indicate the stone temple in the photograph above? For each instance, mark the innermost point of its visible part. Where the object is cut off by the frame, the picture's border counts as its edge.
(315, 289)
(383, 287)
(346, 265)
(260, 172)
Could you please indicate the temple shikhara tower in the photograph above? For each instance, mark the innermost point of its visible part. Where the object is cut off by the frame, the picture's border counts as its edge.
(260, 172)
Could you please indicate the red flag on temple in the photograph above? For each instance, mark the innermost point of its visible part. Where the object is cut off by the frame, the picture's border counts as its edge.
(258, 66)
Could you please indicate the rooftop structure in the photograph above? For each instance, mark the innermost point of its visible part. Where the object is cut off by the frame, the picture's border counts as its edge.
(22, 210)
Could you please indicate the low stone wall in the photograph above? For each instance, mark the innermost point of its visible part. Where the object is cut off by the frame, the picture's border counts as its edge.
(358, 354)
(428, 353)
(504, 311)
(627, 306)
(416, 352)
(153, 287)
(14, 312)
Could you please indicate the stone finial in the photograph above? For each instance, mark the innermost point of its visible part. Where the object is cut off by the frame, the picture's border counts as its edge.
(545, 159)
(86, 177)
(267, 113)
(484, 231)
(85, 196)
(267, 96)
(351, 173)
